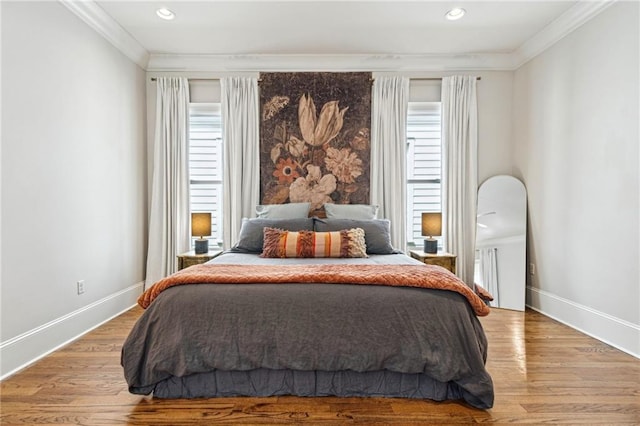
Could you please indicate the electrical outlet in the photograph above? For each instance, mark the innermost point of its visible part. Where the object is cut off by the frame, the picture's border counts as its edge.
(80, 286)
(532, 268)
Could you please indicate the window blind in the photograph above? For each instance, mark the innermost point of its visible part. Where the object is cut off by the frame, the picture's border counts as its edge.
(424, 165)
(205, 165)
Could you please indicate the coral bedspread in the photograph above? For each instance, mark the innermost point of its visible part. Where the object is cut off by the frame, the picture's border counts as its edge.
(421, 276)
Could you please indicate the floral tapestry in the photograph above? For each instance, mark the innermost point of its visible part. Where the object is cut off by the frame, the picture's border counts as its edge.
(310, 156)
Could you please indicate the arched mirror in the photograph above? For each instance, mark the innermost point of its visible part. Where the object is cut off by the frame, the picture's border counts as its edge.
(500, 266)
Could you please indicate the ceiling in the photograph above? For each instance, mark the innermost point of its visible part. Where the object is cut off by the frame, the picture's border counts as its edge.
(333, 27)
(489, 35)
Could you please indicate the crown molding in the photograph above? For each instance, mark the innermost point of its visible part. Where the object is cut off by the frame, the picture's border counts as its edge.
(94, 16)
(359, 62)
(562, 26)
(106, 26)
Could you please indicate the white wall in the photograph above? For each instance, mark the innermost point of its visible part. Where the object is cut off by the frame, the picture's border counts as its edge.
(576, 149)
(495, 145)
(73, 180)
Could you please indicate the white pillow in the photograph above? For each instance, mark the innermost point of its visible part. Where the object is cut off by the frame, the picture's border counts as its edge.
(351, 211)
(283, 211)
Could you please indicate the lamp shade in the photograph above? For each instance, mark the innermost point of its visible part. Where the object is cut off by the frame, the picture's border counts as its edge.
(200, 224)
(432, 224)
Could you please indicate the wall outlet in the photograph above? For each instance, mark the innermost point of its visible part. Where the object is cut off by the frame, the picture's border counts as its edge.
(80, 286)
(532, 268)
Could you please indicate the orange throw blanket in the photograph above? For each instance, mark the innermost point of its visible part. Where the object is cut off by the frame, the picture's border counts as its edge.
(423, 276)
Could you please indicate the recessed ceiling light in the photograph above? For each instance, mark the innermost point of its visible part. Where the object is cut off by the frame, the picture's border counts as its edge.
(455, 13)
(165, 13)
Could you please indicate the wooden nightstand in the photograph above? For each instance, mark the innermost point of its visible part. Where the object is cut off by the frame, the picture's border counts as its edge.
(446, 260)
(190, 258)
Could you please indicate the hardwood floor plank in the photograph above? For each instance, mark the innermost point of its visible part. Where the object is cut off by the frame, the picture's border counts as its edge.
(543, 372)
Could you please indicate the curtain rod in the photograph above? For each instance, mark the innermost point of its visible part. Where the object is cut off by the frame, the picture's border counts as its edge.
(415, 79)
(192, 79)
(434, 79)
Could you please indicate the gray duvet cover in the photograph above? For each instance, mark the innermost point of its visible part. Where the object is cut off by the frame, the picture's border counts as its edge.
(308, 339)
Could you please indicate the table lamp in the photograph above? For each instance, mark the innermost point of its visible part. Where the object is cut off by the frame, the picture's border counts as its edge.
(201, 227)
(431, 227)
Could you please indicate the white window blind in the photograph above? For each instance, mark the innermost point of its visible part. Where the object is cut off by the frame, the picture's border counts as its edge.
(424, 166)
(205, 165)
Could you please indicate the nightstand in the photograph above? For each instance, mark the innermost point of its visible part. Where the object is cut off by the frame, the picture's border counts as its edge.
(446, 260)
(190, 258)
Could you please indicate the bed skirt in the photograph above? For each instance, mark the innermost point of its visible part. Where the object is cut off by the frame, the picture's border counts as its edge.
(265, 382)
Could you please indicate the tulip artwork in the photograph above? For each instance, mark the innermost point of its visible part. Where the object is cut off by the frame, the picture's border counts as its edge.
(310, 156)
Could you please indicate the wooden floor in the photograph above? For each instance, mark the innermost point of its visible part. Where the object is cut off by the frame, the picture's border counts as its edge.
(543, 372)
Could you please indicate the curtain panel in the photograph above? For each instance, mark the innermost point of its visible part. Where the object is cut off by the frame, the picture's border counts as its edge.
(241, 181)
(169, 223)
(460, 174)
(390, 100)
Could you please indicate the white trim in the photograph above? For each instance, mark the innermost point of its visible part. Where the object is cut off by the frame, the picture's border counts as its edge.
(573, 18)
(616, 332)
(94, 16)
(326, 62)
(30, 346)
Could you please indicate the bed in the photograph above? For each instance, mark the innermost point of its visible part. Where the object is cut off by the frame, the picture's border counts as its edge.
(211, 336)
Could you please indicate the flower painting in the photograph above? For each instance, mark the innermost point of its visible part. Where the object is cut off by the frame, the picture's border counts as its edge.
(314, 138)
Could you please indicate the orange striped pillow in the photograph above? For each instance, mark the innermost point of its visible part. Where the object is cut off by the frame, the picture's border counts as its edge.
(345, 243)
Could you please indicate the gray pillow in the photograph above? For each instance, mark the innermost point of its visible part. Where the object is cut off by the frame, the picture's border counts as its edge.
(350, 211)
(251, 236)
(283, 211)
(377, 235)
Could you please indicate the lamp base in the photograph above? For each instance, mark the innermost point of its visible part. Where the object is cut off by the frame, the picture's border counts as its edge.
(430, 245)
(202, 246)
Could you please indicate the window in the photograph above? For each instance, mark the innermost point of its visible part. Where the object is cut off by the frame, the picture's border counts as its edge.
(424, 166)
(205, 165)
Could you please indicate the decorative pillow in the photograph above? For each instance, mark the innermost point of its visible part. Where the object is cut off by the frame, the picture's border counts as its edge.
(283, 211)
(377, 232)
(350, 211)
(343, 243)
(250, 239)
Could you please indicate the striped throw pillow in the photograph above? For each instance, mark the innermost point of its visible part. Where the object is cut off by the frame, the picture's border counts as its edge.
(344, 243)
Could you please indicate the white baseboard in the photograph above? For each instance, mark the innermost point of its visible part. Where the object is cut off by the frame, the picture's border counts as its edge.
(26, 348)
(613, 331)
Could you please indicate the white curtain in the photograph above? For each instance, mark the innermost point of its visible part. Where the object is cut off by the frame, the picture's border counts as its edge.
(241, 182)
(460, 175)
(169, 206)
(489, 273)
(390, 99)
